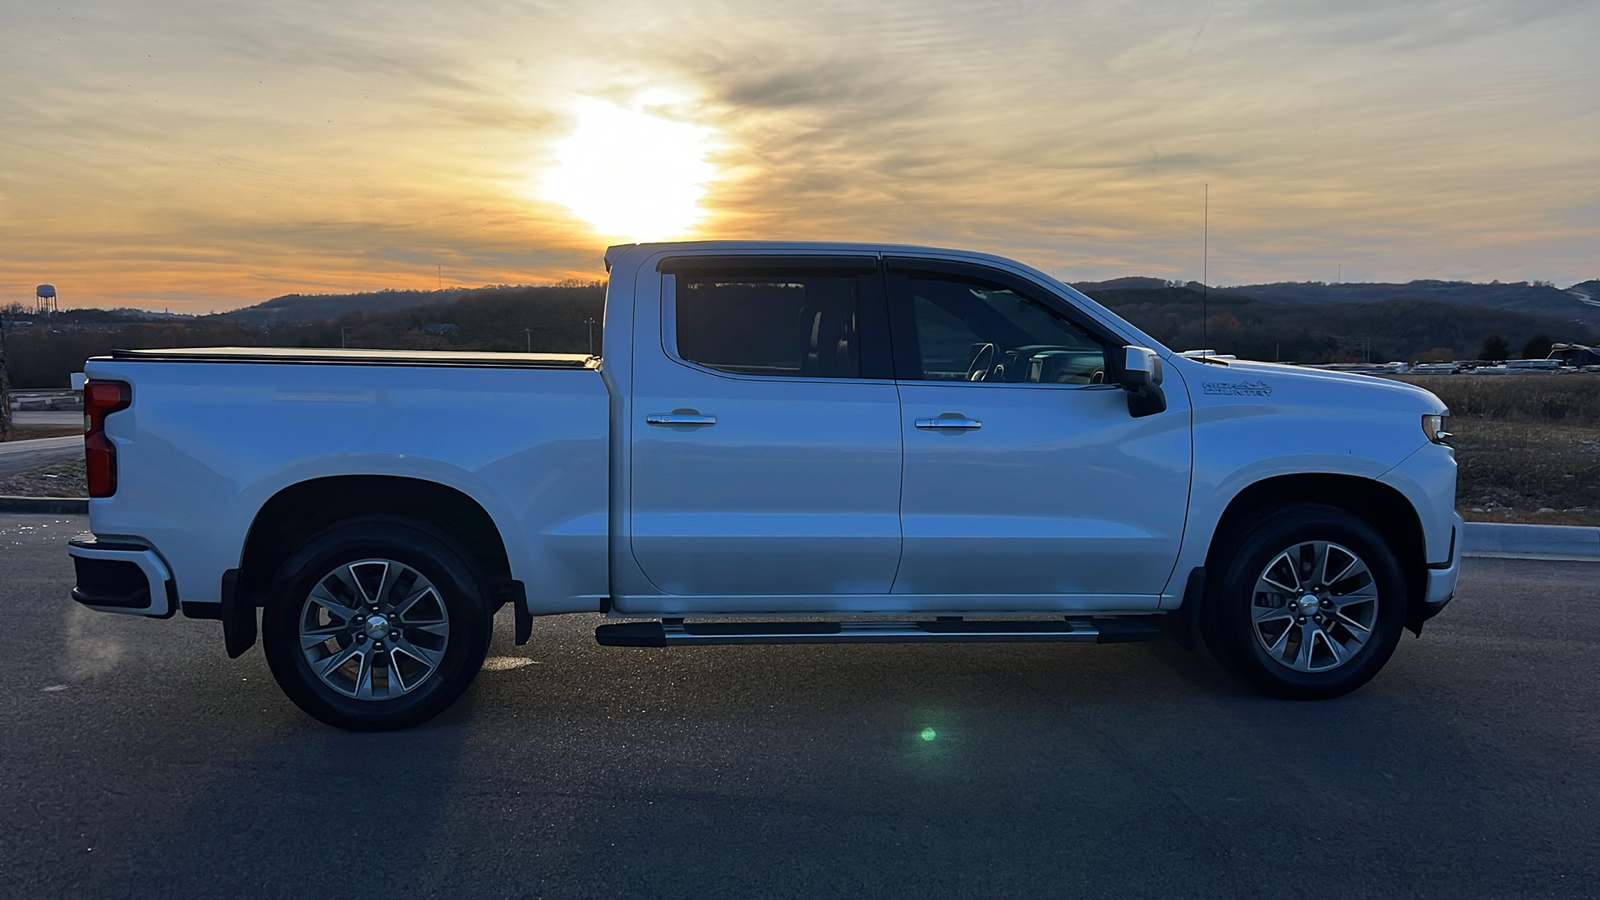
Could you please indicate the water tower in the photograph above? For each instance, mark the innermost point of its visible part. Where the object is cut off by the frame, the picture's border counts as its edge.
(45, 302)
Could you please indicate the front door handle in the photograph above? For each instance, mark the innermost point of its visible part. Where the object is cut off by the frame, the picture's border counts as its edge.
(678, 418)
(948, 422)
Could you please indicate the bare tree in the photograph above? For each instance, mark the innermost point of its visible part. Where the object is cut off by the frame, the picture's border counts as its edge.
(5, 388)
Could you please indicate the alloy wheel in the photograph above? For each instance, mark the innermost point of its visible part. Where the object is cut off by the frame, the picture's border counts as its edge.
(1314, 606)
(374, 629)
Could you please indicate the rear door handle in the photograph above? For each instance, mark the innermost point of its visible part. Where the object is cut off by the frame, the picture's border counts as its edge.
(948, 423)
(679, 419)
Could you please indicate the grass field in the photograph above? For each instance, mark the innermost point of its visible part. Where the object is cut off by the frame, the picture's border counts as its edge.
(1524, 443)
(62, 479)
(34, 432)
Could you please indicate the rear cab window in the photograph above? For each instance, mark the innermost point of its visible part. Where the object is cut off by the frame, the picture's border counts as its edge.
(777, 319)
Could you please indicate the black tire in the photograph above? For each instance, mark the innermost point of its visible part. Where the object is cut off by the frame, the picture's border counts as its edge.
(1278, 537)
(458, 591)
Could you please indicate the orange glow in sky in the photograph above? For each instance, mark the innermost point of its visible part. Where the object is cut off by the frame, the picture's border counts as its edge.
(190, 155)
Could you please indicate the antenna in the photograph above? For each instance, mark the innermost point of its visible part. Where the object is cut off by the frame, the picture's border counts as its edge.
(1205, 270)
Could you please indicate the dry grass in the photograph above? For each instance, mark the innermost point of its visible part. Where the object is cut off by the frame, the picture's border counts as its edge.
(1552, 399)
(63, 479)
(34, 432)
(1525, 443)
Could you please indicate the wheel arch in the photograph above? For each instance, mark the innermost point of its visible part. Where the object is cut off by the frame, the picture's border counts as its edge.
(299, 511)
(1383, 507)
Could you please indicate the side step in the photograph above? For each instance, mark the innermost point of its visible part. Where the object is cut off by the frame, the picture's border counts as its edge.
(675, 632)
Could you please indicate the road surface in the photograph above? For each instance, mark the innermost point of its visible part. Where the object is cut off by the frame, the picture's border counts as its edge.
(139, 761)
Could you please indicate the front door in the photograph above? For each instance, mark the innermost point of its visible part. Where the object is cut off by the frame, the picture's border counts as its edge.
(766, 455)
(1027, 483)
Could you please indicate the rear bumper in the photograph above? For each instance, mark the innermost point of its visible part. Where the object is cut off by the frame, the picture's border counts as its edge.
(122, 577)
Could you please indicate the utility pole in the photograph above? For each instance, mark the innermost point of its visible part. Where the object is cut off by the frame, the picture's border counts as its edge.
(529, 333)
(1205, 271)
(590, 322)
(5, 386)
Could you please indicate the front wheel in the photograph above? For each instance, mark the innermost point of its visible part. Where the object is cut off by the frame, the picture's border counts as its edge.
(1309, 606)
(375, 626)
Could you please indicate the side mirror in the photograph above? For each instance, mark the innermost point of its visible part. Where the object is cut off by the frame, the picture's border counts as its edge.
(1140, 375)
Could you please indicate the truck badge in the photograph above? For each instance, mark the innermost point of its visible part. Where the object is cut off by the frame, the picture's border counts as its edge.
(1238, 389)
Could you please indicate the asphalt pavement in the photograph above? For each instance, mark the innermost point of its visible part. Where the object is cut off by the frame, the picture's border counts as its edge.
(137, 760)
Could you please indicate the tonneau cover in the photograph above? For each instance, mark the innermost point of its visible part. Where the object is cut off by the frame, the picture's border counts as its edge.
(326, 357)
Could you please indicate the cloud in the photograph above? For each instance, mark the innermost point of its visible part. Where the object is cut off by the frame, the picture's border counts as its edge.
(217, 147)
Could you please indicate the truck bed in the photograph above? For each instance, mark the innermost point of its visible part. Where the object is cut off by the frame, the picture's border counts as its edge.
(331, 357)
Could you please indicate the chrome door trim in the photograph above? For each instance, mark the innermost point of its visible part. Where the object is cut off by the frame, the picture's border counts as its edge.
(679, 419)
(948, 424)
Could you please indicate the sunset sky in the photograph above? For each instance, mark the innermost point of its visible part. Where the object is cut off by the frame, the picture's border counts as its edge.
(208, 155)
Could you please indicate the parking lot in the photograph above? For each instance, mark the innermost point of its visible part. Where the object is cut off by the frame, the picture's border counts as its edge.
(139, 760)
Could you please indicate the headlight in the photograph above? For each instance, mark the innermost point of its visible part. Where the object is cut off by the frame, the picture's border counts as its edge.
(1434, 428)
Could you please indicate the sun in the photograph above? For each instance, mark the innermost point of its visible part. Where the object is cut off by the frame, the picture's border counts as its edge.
(631, 174)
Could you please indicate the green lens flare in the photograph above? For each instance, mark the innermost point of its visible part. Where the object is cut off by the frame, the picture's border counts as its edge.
(929, 734)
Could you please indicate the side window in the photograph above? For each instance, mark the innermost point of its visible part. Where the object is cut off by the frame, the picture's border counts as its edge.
(970, 330)
(798, 325)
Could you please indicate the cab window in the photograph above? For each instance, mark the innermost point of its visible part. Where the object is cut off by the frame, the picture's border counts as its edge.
(802, 325)
(976, 331)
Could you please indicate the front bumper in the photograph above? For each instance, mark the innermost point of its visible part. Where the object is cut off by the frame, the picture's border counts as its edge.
(122, 577)
(1443, 577)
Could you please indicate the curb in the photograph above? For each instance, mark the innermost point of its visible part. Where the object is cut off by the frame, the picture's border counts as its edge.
(1555, 542)
(60, 506)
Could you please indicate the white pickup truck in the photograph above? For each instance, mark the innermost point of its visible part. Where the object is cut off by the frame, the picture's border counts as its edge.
(781, 443)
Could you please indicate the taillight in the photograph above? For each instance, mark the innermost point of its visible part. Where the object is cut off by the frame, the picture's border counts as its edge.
(101, 399)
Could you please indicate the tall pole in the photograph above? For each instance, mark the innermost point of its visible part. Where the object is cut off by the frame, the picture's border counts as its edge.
(529, 333)
(5, 386)
(440, 267)
(590, 322)
(1205, 271)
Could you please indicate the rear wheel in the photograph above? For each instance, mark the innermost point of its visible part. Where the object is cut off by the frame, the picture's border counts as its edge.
(1310, 604)
(375, 626)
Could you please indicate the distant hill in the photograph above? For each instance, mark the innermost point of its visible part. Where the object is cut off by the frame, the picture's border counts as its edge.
(1406, 329)
(1535, 299)
(299, 309)
(1310, 323)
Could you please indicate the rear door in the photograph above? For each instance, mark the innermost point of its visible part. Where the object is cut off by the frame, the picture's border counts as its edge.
(1027, 483)
(766, 458)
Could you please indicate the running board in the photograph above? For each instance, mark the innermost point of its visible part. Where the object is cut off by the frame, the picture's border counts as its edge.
(674, 632)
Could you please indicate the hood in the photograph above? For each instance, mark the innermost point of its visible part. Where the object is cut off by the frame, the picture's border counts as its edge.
(1357, 389)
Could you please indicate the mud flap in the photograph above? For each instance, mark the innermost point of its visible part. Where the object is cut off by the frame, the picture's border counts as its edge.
(238, 617)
